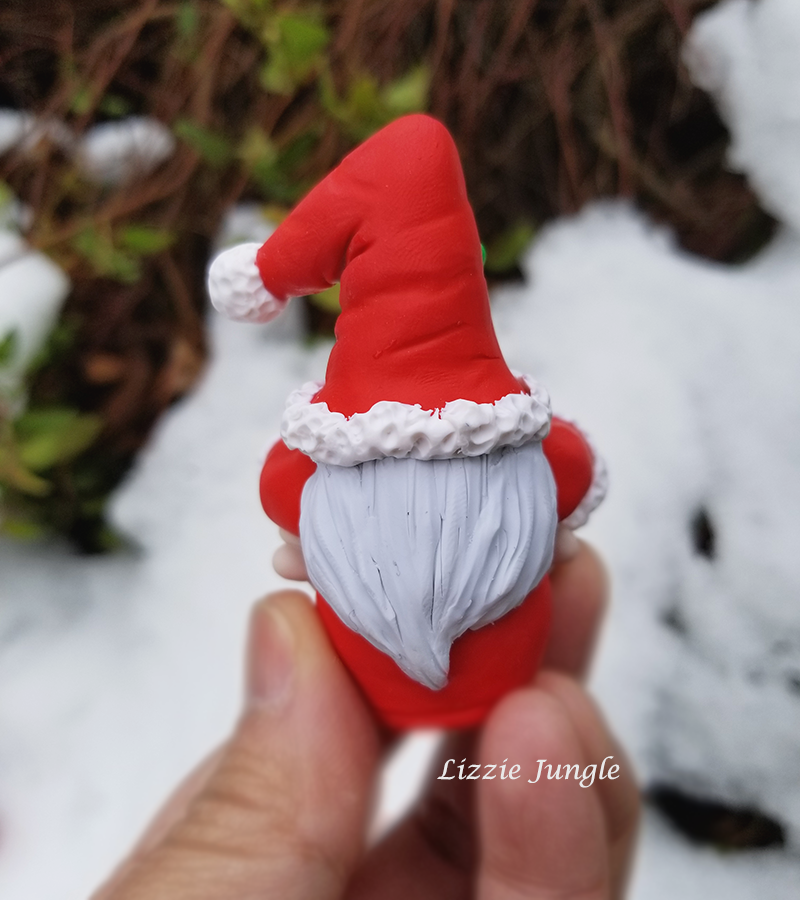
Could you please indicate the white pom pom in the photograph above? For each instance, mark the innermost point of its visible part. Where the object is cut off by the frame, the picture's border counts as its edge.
(236, 288)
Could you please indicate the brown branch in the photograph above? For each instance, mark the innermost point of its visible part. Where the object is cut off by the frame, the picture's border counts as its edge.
(611, 70)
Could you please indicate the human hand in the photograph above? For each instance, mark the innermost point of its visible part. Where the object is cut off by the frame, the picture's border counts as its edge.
(281, 810)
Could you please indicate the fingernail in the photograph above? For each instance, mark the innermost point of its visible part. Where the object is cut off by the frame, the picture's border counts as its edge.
(270, 666)
(567, 545)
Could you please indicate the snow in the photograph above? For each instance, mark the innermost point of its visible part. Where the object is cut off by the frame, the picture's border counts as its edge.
(118, 674)
(688, 380)
(668, 866)
(25, 131)
(246, 222)
(115, 151)
(32, 291)
(13, 125)
(745, 54)
(108, 153)
(14, 216)
(12, 246)
(102, 657)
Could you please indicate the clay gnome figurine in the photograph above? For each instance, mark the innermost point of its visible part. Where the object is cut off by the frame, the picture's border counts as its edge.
(425, 479)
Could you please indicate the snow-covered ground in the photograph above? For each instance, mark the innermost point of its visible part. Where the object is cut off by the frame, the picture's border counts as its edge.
(117, 674)
(688, 376)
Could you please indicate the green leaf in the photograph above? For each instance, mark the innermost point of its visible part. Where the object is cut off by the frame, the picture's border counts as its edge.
(105, 259)
(328, 300)
(410, 93)
(503, 253)
(257, 148)
(303, 34)
(58, 345)
(47, 437)
(295, 42)
(252, 14)
(114, 106)
(6, 194)
(22, 529)
(215, 149)
(43, 420)
(299, 150)
(360, 111)
(8, 347)
(366, 106)
(187, 21)
(275, 171)
(81, 101)
(276, 184)
(144, 240)
(13, 474)
(364, 101)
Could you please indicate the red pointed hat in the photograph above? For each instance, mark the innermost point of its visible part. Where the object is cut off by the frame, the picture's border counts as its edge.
(416, 369)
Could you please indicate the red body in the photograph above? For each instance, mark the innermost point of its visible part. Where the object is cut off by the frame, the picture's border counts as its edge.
(484, 664)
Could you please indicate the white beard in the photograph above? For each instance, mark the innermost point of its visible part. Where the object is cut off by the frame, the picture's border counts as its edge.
(411, 554)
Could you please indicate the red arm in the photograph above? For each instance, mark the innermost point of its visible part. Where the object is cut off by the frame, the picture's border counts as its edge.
(284, 474)
(572, 463)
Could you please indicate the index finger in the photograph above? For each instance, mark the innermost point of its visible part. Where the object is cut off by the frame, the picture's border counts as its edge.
(580, 590)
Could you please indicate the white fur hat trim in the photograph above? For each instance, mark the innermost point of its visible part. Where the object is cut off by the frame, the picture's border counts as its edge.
(402, 431)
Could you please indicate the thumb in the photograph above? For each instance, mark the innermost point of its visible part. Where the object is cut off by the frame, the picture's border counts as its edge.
(281, 810)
